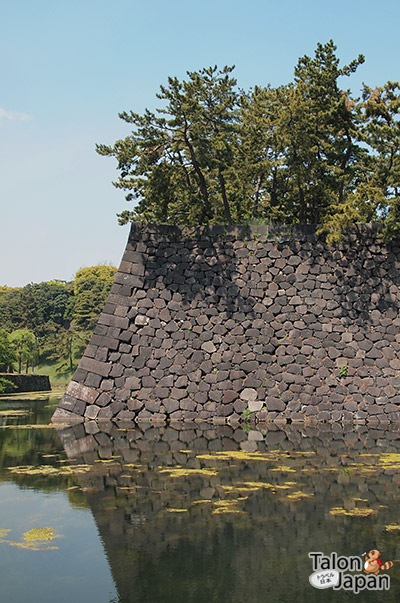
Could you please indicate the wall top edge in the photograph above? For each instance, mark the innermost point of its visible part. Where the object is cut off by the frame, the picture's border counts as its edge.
(265, 231)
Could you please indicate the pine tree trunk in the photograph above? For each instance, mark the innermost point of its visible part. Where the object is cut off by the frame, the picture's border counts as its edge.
(202, 180)
(221, 179)
(302, 213)
(257, 196)
(273, 189)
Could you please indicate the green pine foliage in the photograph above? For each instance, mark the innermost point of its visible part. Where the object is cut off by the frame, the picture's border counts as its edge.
(305, 152)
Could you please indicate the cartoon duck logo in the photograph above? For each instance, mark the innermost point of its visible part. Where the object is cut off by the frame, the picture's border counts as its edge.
(373, 563)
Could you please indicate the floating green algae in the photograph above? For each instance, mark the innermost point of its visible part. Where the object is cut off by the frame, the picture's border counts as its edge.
(356, 512)
(227, 506)
(176, 510)
(181, 472)
(298, 495)
(240, 455)
(35, 539)
(40, 534)
(43, 426)
(13, 413)
(49, 470)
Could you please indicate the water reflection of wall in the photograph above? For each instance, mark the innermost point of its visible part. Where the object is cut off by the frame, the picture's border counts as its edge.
(198, 513)
(209, 323)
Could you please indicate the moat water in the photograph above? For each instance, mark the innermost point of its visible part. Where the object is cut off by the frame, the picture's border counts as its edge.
(191, 512)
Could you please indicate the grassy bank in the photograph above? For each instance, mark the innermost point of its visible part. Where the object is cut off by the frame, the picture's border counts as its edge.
(58, 378)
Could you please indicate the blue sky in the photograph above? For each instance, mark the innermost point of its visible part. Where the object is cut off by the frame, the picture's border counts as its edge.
(69, 68)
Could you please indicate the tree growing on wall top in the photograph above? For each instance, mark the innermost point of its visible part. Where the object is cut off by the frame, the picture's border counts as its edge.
(175, 162)
(304, 152)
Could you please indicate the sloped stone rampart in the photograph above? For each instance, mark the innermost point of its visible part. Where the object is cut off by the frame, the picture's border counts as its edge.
(256, 323)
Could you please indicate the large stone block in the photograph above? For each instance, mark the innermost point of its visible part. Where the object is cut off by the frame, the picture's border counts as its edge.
(95, 366)
(111, 320)
(81, 392)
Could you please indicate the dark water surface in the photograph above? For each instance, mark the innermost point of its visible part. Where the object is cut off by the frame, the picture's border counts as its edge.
(190, 513)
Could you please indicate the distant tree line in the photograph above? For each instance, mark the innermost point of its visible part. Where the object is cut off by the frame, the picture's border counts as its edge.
(304, 152)
(51, 322)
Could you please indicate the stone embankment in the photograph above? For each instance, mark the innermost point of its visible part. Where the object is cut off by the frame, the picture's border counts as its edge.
(27, 383)
(227, 324)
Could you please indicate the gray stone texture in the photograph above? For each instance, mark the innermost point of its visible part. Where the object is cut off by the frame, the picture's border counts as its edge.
(29, 383)
(209, 324)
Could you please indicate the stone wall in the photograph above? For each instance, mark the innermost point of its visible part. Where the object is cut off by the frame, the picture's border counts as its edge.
(27, 383)
(255, 323)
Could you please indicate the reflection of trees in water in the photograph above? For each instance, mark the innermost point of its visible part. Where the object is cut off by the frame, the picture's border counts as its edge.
(21, 446)
(29, 454)
(159, 495)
